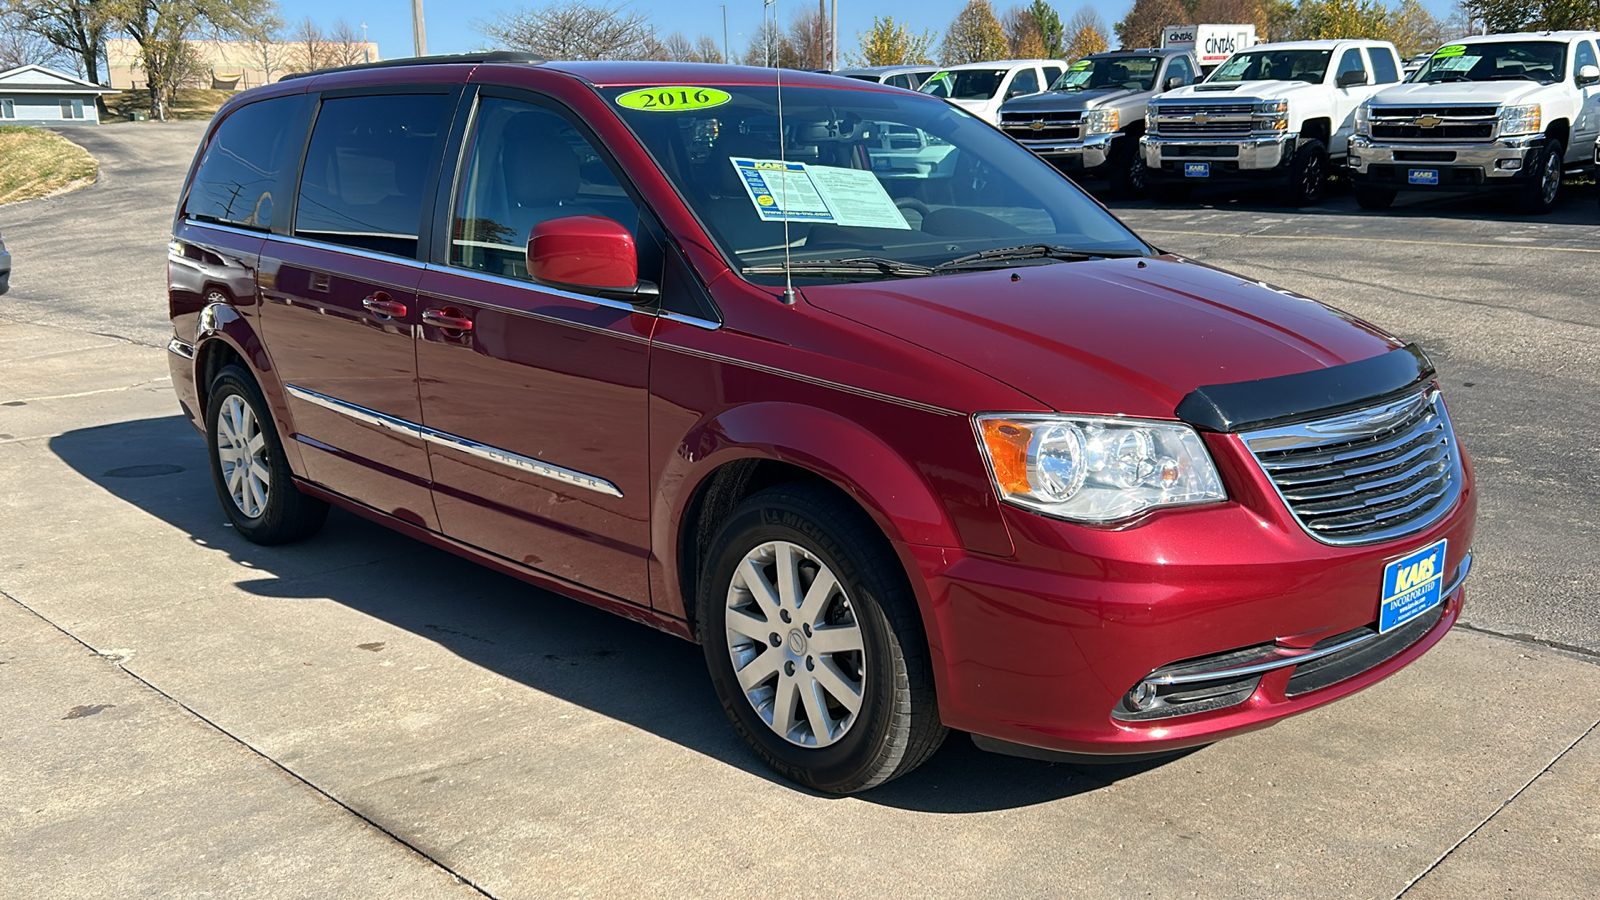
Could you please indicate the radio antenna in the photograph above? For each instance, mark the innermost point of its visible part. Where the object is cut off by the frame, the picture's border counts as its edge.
(777, 74)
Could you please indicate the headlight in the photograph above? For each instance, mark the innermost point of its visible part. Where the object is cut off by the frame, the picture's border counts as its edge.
(1521, 119)
(1271, 115)
(1100, 121)
(1363, 120)
(1095, 469)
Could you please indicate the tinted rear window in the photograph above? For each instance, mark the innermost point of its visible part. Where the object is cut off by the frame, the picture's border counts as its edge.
(254, 150)
(367, 169)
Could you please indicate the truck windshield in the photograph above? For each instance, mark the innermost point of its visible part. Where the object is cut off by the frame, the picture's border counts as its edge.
(1541, 61)
(1136, 73)
(1274, 65)
(966, 84)
(876, 183)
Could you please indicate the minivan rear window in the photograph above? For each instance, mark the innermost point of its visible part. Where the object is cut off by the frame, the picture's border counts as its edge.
(366, 169)
(252, 152)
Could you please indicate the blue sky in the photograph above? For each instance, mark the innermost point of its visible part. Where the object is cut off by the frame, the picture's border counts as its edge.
(451, 26)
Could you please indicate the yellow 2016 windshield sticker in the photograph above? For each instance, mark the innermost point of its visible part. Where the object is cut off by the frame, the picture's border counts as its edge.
(678, 98)
(1451, 50)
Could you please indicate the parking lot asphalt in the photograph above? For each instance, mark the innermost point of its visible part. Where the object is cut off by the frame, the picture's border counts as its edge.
(194, 715)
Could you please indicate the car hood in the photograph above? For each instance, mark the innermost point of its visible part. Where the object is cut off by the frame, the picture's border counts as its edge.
(1066, 101)
(1110, 336)
(1242, 90)
(1485, 92)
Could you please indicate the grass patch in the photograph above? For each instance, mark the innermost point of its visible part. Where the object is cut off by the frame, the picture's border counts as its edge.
(190, 104)
(35, 162)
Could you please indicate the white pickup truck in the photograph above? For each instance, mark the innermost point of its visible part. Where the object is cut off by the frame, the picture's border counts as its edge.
(1502, 111)
(1274, 114)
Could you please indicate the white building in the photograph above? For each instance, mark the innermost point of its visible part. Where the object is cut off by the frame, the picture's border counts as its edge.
(34, 95)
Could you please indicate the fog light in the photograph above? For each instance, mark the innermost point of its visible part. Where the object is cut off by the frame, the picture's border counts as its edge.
(1143, 696)
(1510, 165)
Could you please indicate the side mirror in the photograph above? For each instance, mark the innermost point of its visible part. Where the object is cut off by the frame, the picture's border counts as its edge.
(585, 252)
(1174, 82)
(1352, 77)
(1588, 75)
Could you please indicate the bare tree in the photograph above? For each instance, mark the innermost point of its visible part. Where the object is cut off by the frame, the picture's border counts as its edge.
(21, 46)
(808, 35)
(345, 44)
(1024, 40)
(311, 50)
(575, 29)
(708, 50)
(678, 48)
(78, 27)
(162, 29)
(771, 48)
(269, 53)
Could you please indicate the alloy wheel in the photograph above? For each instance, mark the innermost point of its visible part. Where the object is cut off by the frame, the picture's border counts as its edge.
(1550, 178)
(796, 644)
(242, 451)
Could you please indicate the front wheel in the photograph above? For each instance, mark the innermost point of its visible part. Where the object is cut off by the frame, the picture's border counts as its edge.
(814, 642)
(1539, 194)
(1308, 174)
(249, 469)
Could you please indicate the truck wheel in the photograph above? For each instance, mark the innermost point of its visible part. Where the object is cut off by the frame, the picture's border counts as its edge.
(814, 641)
(1129, 178)
(1539, 194)
(1308, 174)
(1374, 197)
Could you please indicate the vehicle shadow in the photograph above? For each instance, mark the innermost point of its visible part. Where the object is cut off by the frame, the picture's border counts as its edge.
(549, 643)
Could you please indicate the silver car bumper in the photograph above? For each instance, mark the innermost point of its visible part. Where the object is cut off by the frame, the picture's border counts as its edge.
(5, 269)
(1504, 158)
(1090, 153)
(1253, 154)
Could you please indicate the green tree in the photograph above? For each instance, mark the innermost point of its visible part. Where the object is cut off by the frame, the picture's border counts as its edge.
(1321, 19)
(1084, 43)
(77, 27)
(1141, 27)
(1413, 29)
(891, 43)
(1534, 15)
(1050, 30)
(163, 29)
(974, 36)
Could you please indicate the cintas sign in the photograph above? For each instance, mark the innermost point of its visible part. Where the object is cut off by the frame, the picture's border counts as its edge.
(1212, 43)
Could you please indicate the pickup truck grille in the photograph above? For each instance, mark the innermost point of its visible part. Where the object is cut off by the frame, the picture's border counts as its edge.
(1052, 126)
(1202, 119)
(1438, 123)
(1373, 475)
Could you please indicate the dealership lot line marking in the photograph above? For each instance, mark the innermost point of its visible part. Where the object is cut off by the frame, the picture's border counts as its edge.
(1362, 240)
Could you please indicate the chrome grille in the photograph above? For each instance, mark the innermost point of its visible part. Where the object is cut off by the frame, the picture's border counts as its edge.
(1438, 123)
(1053, 126)
(1368, 476)
(1202, 119)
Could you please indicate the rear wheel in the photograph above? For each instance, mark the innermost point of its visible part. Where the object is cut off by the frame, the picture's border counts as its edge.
(1374, 197)
(814, 642)
(248, 467)
(1539, 194)
(1308, 174)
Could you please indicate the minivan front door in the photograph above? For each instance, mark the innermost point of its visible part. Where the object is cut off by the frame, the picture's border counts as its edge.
(339, 297)
(535, 397)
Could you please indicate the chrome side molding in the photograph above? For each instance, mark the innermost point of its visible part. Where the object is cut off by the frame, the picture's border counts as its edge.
(456, 442)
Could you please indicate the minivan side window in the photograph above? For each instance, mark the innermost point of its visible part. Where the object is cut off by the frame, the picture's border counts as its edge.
(366, 169)
(249, 157)
(1384, 68)
(524, 165)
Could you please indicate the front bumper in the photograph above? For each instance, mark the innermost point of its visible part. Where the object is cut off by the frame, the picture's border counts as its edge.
(5, 270)
(1507, 162)
(1086, 155)
(1241, 158)
(1233, 601)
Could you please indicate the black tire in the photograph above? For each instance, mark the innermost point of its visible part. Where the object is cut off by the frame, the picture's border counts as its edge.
(896, 727)
(1539, 195)
(1308, 174)
(1374, 197)
(1129, 178)
(286, 515)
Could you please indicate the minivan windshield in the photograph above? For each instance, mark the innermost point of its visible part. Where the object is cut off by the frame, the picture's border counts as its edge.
(1541, 61)
(876, 184)
(1274, 65)
(965, 84)
(1132, 72)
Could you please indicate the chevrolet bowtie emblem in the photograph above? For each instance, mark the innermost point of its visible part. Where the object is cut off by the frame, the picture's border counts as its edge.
(1427, 121)
(1201, 118)
(1036, 124)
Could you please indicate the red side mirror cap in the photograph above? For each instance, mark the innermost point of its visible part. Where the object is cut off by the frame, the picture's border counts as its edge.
(583, 251)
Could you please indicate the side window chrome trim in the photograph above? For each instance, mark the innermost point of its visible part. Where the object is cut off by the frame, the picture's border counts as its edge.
(455, 442)
(315, 245)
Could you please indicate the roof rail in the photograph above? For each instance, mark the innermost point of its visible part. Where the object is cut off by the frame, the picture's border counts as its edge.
(493, 56)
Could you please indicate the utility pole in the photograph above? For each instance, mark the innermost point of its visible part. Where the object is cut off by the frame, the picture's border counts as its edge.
(833, 23)
(419, 33)
(725, 58)
(366, 48)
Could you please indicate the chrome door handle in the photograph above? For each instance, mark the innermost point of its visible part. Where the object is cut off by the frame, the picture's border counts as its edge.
(448, 318)
(382, 305)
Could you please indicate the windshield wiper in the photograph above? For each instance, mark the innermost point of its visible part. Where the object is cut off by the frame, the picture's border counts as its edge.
(854, 265)
(1002, 255)
(1522, 77)
(1446, 76)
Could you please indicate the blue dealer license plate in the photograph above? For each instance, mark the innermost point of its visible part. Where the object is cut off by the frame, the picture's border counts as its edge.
(1423, 176)
(1197, 170)
(1412, 585)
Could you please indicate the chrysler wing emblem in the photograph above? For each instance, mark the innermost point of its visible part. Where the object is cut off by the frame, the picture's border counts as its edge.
(1426, 121)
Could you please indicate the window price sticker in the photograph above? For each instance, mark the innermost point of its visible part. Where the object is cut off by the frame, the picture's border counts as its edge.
(798, 192)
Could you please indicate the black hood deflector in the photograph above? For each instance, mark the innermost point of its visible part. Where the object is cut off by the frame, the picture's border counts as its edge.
(1247, 405)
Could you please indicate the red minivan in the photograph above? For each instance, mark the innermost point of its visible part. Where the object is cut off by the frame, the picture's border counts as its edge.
(833, 378)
